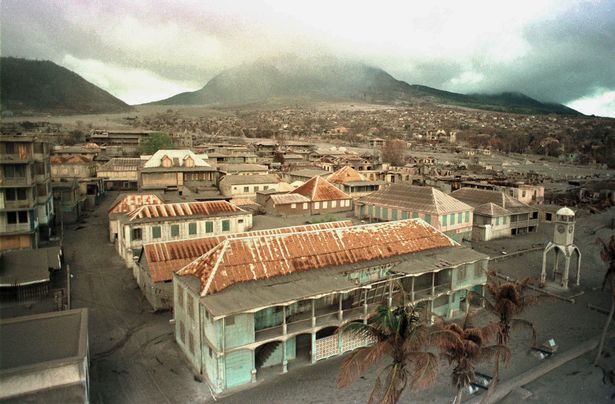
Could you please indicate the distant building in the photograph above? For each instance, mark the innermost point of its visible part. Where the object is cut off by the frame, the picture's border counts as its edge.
(176, 170)
(304, 175)
(246, 186)
(243, 169)
(491, 221)
(323, 197)
(26, 200)
(402, 201)
(264, 300)
(122, 142)
(44, 358)
(523, 218)
(377, 142)
(353, 183)
(121, 173)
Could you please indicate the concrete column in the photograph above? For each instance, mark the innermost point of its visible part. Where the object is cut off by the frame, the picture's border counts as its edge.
(253, 374)
(566, 271)
(284, 358)
(412, 290)
(284, 329)
(313, 350)
(543, 272)
(450, 308)
(433, 283)
(365, 307)
(578, 268)
(313, 314)
(390, 298)
(340, 313)
(556, 267)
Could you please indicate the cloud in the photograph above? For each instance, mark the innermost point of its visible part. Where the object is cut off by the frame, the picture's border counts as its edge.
(601, 103)
(552, 50)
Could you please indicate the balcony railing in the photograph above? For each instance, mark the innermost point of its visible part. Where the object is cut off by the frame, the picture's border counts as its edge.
(427, 294)
(15, 228)
(16, 181)
(20, 204)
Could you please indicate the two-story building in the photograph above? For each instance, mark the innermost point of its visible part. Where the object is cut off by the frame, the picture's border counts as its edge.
(175, 170)
(403, 201)
(177, 221)
(354, 183)
(158, 261)
(270, 300)
(120, 173)
(322, 197)
(523, 218)
(246, 186)
(26, 200)
(126, 203)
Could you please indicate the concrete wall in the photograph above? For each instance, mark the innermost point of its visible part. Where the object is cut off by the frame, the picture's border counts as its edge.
(187, 324)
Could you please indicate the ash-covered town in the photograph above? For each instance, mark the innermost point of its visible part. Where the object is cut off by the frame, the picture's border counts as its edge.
(354, 239)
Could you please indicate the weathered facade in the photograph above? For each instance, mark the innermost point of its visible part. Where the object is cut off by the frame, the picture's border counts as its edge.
(246, 186)
(490, 222)
(401, 201)
(177, 221)
(120, 173)
(158, 261)
(126, 203)
(259, 301)
(176, 169)
(323, 197)
(523, 218)
(353, 183)
(26, 202)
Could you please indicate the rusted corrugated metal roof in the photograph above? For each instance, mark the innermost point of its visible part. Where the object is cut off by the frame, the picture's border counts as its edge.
(344, 175)
(285, 199)
(122, 164)
(491, 209)
(477, 197)
(318, 189)
(129, 202)
(165, 258)
(259, 257)
(167, 210)
(413, 198)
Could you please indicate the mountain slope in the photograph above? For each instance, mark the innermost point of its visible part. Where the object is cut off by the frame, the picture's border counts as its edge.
(43, 86)
(324, 80)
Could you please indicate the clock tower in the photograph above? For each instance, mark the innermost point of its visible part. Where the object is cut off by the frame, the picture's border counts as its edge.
(562, 244)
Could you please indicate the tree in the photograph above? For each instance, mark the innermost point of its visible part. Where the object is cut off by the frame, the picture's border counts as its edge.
(607, 253)
(156, 141)
(394, 152)
(470, 349)
(399, 333)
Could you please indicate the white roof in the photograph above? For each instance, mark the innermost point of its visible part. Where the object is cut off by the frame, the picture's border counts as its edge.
(565, 211)
(156, 159)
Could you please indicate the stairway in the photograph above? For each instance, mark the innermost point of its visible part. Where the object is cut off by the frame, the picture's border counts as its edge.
(263, 352)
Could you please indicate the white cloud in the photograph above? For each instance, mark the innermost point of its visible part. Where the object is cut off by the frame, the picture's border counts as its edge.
(601, 103)
(131, 85)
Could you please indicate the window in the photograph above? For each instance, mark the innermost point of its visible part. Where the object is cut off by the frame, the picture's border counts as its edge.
(497, 221)
(209, 227)
(394, 214)
(226, 225)
(246, 190)
(334, 204)
(378, 211)
(9, 148)
(293, 206)
(137, 234)
(459, 217)
(316, 205)
(478, 271)
(461, 274)
(523, 194)
(156, 232)
(190, 306)
(256, 188)
(415, 215)
(191, 228)
(265, 187)
(404, 215)
(427, 218)
(230, 320)
(467, 217)
(174, 230)
(452, 218)
(305, 206)
(385, 213)
(504, 220)
(444, 220)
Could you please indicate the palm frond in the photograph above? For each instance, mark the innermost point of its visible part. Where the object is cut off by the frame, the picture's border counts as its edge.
(359, 361)
(424, 369)
(519, 322)
(499, 352)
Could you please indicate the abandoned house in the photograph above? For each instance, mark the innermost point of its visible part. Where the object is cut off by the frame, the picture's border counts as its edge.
(353, 183)
(402, 201)
(126, 203)
(323, 198)
(523, 218)
(273, 300)
(120, 174)
(246, 186)
(158, 261)
(176, 169)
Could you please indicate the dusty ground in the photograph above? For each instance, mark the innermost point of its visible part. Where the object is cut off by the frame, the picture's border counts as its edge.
(134, 358)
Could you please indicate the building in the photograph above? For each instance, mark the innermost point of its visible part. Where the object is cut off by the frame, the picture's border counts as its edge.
(44, 358)
(25, 274)
(126, 203)
(177, 221)
(176, 170)
(69, 203)
(120, 173)
(122, 142)
(26, 200)
(304, 175)
(286, 204)
(323, 197)
(243, 169)
(523, 218)
(491, 221)
(402, 201)
(246, 186)
(158, 261)
(259, 301)
(376, 142)
(353, 183)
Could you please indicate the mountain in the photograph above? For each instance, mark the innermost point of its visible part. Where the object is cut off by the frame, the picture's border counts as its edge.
(326, 80)
(43, 86)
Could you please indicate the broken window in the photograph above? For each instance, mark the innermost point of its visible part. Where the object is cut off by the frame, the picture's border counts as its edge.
(137, 234)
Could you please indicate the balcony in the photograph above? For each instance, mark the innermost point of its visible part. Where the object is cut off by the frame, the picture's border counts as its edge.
(20, 204)
(16, 228)
(16, 181)
(428, 293)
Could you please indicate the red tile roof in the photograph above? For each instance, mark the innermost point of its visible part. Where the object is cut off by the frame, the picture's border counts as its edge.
(318, 189)
(165, 258)
(344, 175)
(167, 210)
(260, 257)
(129, 202)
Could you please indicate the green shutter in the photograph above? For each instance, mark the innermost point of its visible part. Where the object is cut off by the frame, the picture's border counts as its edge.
(156, 232)
(191, 228)
(370, 211)
(404, 215)
(467, 217)
(209, 227)
(460, 218)
(385, 213)
(444, 220)
(226, 225)
(361, 211)
(415, 215)
(174, 230)
(427, 218)
(377, 212)
(394, 214)
(497, 221)
(452, 219)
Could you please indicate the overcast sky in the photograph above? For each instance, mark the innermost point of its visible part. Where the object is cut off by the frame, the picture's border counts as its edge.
(144, 50)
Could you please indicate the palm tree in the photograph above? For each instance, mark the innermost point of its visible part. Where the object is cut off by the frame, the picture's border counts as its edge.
(608, 255)
(400, 333)
(506, 300)
(470, 349)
